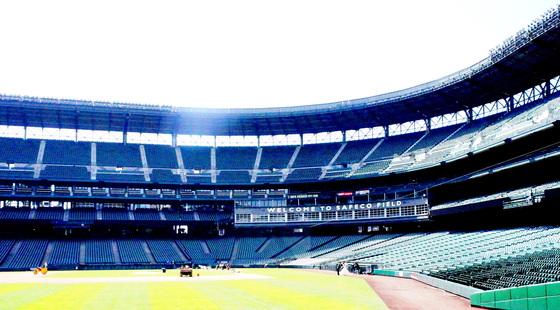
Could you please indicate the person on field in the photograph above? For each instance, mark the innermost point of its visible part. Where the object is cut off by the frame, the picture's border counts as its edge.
(339, 266)
(356, 268)
(346, 269)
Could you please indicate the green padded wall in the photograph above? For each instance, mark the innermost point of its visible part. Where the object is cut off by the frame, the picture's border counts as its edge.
(533, 297)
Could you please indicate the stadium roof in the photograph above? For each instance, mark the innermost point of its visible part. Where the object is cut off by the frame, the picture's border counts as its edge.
(528, 59)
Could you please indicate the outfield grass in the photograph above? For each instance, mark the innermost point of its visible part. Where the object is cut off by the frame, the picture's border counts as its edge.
(279, 289)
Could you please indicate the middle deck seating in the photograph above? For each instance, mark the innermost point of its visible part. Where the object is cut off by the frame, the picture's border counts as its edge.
(212, 216)
(269, 178)
(164, 176)
(146, 215)
(115, 214)
(16, 174)
(82, 214)
(121, 177)
(10, 213)
(304, 174)
(234, 177)
(178, 215)
(65, 173)
(49, 214)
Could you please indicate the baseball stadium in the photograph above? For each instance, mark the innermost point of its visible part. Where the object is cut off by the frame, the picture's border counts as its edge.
(438, 196)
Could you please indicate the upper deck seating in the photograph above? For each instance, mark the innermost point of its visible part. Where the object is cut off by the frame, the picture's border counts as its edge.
(276, 157)
(118, 155)
(67, 153)
(433, 138)
(316, 155)
(196, 157)
(394, 146)
(19, 150)
(235, 157)
(161, 156)
(355, 151)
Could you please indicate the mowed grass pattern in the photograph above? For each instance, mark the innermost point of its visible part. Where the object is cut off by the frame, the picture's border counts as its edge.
(286, 289)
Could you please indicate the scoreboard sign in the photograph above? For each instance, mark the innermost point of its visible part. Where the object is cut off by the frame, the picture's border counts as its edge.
(414, 207)
(336, 207)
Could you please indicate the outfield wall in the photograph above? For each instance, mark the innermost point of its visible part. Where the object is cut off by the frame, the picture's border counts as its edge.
(455, 288)
(538, 296)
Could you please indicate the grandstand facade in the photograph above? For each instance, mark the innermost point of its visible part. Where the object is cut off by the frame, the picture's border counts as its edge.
(465, 160)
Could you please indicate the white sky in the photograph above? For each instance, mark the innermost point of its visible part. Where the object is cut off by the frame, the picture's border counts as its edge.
(244, 54)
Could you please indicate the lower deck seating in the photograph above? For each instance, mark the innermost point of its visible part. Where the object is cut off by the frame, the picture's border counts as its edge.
(132, 251)
(488, 259)
(165, 251)
(64, 253)
(27, 253)
(531, 268)
(99, 252)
